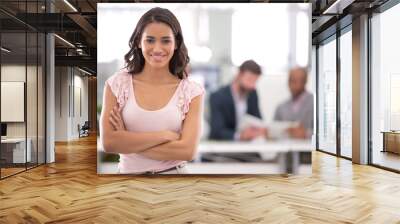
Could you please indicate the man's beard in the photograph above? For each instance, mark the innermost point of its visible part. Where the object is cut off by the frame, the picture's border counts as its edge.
(243, 90)
(297, 94)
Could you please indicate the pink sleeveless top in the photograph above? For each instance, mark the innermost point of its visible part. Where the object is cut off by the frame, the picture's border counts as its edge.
(137, 119)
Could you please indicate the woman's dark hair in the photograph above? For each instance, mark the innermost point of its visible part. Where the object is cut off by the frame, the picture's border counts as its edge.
(134, 59)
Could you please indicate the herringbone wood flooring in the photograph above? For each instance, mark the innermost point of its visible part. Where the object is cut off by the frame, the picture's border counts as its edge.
(70, 191)
(9, 171)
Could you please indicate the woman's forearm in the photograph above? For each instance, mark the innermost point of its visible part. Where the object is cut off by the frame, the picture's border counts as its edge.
(114, 136)
(184, 148)
(134, 142)
(173, 150)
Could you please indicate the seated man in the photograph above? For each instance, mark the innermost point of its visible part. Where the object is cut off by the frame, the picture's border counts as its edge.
(230, 103)
(300, 107)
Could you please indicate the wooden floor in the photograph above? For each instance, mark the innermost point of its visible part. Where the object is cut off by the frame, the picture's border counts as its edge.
(10, 171)
(70, 191)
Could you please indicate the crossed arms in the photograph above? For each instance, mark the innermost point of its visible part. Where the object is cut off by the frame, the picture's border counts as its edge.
(160, 145)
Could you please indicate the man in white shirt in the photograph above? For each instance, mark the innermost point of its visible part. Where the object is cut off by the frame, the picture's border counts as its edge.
(230, 103)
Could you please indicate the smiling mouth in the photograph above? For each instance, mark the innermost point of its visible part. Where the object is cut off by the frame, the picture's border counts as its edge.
(158, 57)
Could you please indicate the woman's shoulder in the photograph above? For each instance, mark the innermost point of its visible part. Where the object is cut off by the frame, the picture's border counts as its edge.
(119, 84)
(192, 88)
(120, 76)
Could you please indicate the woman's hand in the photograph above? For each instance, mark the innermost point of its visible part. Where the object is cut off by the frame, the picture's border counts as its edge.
(116, 120)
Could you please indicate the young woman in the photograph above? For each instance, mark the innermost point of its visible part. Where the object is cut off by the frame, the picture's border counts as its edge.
(151, 112)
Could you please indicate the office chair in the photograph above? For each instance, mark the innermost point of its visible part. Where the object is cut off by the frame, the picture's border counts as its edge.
(84, 130)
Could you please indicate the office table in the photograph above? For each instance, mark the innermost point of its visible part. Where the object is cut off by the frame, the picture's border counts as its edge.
(287, 151)
(391, 141)
(13, 150)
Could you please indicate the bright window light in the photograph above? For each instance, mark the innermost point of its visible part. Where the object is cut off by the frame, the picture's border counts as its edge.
(270, 47)
(302, 38)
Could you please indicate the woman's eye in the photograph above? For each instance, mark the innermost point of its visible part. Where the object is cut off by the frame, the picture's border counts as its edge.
(166, 41)
(149, 41)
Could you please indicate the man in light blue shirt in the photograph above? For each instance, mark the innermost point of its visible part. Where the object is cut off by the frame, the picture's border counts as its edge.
(300, 107)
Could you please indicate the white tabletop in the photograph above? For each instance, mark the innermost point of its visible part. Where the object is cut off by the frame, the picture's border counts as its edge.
(259, 146)
(13, 140)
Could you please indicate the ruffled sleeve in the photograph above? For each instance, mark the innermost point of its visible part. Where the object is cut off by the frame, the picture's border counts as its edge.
(119, 84)
(189, 90)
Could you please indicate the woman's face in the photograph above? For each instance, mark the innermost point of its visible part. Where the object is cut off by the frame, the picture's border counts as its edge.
(157, 45)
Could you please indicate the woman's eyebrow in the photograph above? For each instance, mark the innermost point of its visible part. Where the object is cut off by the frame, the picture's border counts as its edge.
(163, 38)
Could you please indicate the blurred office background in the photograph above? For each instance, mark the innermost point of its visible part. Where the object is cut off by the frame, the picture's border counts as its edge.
(219, 37)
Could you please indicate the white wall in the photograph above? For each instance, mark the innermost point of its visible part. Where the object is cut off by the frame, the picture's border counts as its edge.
(68, 82)
(14, 73)
(35, 123)
(17, 73)
(272, 90)
(81, 83)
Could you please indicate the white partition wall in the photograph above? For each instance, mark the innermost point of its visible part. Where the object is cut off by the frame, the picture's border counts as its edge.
(71, 102)
(346, 76)
(327, 96)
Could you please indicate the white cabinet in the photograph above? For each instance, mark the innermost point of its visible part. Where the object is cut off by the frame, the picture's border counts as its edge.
(15, 148)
